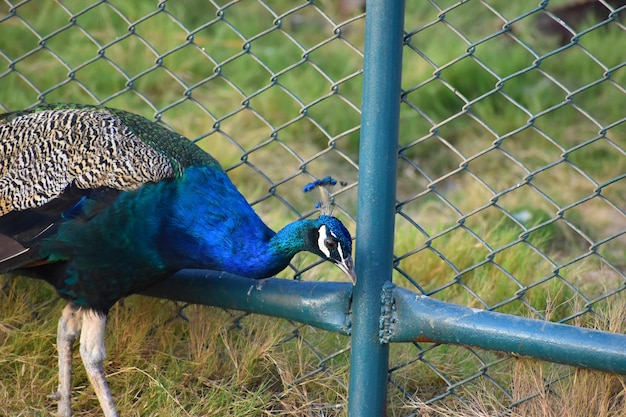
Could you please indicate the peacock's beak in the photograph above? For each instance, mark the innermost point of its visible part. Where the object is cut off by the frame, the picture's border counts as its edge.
(347, 266)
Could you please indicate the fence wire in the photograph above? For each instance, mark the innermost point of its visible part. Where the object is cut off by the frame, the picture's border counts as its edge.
(512, 163)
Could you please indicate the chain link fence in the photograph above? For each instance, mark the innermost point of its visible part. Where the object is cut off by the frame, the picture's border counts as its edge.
(511, 188)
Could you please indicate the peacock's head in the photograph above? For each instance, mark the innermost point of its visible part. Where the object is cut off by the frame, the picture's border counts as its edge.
(333, 242)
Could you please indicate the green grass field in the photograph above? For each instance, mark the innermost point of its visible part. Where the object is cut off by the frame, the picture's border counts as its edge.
(512, 161)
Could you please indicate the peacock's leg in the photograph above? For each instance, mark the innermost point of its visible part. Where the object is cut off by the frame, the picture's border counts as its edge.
(93, 353)
(67, 333)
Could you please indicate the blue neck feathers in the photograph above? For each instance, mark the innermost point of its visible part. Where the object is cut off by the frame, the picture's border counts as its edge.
(197, 220)
(211, 225)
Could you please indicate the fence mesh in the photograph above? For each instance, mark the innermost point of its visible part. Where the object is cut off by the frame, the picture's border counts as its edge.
(512, 162)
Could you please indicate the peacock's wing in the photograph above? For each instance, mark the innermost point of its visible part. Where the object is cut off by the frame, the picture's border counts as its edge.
(55, 159)
(21, 231)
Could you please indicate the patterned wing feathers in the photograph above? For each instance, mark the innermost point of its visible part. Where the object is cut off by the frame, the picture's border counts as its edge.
(43, 151)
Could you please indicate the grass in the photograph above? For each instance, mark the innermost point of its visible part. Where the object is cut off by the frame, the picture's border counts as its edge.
(165, 364)
(510, 156)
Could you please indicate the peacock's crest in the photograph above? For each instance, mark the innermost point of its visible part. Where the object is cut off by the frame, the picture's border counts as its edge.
(326, 204)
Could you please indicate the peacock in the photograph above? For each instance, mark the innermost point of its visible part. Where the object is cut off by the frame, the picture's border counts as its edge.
(102, 203)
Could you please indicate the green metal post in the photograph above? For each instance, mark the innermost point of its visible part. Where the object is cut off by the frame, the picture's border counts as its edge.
(376, 204)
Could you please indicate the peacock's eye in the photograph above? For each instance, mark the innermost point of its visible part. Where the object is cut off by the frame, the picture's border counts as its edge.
(330, 243)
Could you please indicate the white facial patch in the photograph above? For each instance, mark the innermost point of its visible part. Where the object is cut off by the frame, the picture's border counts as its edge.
(322, 232)
(340, 251)
(321, 242)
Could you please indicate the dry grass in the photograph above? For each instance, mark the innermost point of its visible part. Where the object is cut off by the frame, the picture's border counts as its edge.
(160, 363)
(540, 389)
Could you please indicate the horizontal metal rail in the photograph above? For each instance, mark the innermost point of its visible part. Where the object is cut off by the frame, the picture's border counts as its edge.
(410, 317)
(321, 304)
(423, 318)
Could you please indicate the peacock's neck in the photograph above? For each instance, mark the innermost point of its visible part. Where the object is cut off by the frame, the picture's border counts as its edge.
(265, 258)
(226, 234)
(293, 238)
